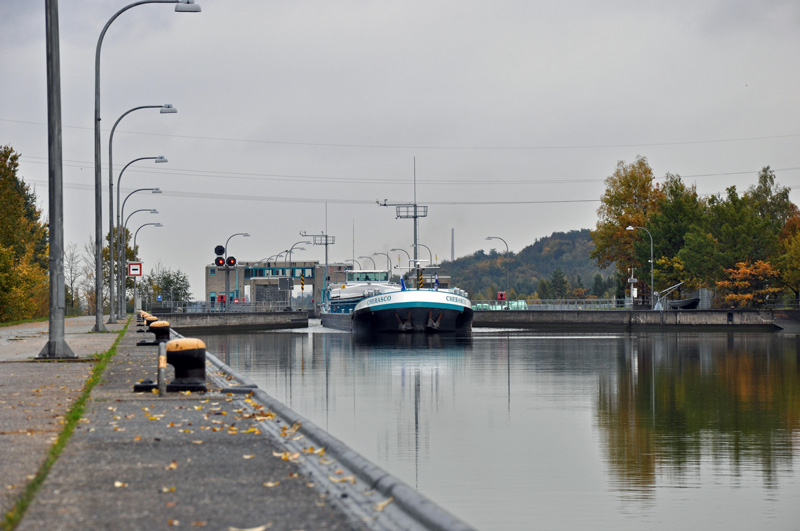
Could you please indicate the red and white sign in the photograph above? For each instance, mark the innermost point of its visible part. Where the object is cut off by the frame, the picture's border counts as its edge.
(134, 269)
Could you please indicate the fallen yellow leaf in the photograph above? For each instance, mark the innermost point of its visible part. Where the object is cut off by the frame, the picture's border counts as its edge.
(249, 456)
(259, 528)
(272, 483)
(172, 466)
(120, 484)
(382, 505)
(345, 479)
(167, 489)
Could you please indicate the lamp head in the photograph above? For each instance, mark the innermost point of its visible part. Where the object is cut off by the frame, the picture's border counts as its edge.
(186, 6)
(153, 211)
(246, 235)
(156, 190)
(161, 158)
(158, 225)
(167, 108)
(629, 227)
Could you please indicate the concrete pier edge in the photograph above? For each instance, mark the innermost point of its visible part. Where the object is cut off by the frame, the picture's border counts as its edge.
(416, 506)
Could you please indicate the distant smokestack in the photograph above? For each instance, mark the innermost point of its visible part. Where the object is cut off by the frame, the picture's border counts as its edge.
(452, 245)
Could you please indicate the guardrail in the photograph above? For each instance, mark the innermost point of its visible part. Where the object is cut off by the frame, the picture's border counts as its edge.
(554, 304)
(207, 307)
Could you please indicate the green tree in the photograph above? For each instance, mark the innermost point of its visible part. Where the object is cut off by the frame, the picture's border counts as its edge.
(679, 209)
(789, 264)
(24, 262)
(598, 286)
(543, 289)
(170, 284)
(631, 198)
(559, 287)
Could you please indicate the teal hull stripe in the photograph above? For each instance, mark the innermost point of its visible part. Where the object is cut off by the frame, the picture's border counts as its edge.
(397, 305)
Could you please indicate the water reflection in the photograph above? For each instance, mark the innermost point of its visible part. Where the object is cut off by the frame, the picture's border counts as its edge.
(503, 428)
(677, 400)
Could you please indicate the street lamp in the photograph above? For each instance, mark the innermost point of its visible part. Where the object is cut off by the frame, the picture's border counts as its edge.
(122, 275)
(119, 241)
(430, 254)
(167, 108)
(388, 261)
(136, 302)
(652, 287)
(122, 261)
(277, 256)
(371, 260)
(56, 346)
(502, 240)
(228, 269)
(398, 250)
(295, 245)
(181, 6)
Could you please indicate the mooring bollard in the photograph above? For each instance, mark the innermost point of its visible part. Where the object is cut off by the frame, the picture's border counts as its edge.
(188, 357)
(160, 329)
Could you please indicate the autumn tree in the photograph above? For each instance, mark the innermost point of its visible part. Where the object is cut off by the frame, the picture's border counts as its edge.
(24, 260)
(631, 198)
(750, 284)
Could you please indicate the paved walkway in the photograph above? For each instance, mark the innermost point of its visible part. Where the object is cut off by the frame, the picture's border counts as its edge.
(140, 461)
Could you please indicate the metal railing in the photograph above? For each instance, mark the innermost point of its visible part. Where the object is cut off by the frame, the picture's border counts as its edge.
(209, 307)
(553, 304)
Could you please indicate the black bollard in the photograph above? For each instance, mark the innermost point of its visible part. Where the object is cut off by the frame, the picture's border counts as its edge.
(188, 357)
(161, 330)
(158, 328)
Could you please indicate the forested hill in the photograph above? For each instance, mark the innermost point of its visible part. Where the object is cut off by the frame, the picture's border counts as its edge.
(483, 274)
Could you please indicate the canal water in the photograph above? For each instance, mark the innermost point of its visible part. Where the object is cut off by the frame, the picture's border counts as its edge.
(519, 430)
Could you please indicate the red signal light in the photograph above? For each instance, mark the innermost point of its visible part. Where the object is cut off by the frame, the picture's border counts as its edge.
(231, 261)
(219, 261)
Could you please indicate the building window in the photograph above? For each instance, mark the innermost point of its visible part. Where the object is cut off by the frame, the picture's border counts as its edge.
(212, 272)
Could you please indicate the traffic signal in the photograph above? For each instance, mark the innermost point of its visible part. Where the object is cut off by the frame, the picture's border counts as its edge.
(219, 261)
(219, 250)
(231, 261)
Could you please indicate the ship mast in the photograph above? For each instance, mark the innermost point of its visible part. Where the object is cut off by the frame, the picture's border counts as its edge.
(411, 211)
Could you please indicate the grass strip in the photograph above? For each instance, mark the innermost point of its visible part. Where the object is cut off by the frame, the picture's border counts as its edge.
(71, 419)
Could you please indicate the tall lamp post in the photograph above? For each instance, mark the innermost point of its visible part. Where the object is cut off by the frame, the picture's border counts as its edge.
(181, 6)
(165, 109)
(407, 263)
(122, 275)
(371, 260)
(295, 245)
(228, 269)
(430, 254)
(120, 254)
(56, 346)
(652, 287)
(403, 250)
(507, 252)
(388, 261)
(120, 240)
(137, 303)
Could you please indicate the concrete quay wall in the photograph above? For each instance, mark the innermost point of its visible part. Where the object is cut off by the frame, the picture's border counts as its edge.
(627, 320)
(233, 321)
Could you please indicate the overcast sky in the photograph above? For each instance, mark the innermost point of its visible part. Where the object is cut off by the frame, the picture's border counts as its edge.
(516, 111)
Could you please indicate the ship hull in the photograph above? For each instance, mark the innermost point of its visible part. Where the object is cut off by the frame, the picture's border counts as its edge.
(413, 311)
